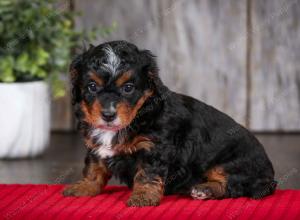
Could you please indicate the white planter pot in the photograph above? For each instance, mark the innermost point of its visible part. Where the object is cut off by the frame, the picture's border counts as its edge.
(24, 119)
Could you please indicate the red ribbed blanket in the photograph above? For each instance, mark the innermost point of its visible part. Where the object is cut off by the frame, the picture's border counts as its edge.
(47, 202)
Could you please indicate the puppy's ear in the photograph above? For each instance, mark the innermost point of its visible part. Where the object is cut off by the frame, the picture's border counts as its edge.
(148, 61)
(75, 69)
(151, 69)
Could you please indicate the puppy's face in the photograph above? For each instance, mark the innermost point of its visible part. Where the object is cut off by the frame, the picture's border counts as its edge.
(111, 82)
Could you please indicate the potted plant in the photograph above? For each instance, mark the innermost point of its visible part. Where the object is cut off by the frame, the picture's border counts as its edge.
(36, 38)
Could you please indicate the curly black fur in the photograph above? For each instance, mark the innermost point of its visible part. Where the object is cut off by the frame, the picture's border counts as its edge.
(190, 136)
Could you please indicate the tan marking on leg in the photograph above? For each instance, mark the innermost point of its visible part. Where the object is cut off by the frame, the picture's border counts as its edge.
(214, 188)
(216, 174)
(146, 192)
(95, 179)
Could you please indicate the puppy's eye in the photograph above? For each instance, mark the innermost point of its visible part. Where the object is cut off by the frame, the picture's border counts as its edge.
(92, 87)
(128, 88)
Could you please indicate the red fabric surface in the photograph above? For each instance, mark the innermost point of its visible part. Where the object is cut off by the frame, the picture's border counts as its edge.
(46, 202)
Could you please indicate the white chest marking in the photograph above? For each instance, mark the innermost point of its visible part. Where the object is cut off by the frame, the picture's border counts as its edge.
(104, 139)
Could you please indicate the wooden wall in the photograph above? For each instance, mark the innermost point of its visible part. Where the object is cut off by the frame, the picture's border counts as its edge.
(61, 109)
(275, 66)
(241, 56)
(62, 113)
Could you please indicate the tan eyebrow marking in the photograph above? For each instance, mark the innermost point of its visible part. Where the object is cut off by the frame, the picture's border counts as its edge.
(97, 79)
(123, 78)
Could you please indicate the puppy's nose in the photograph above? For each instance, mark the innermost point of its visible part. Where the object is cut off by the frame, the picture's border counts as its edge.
(108, 116)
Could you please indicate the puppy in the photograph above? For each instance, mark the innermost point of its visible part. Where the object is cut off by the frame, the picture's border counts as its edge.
(157, 141)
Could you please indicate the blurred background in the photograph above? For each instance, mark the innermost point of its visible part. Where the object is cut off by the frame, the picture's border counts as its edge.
(241, 56)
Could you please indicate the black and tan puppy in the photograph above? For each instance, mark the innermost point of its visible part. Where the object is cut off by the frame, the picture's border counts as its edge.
(155, 140)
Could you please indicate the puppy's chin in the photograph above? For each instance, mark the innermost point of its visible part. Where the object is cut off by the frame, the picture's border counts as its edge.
(115, 125)
(107, 127)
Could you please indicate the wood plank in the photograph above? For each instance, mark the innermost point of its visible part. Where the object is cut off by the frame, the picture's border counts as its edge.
(61, 109)
(61, 113)
(200, 44)
(275, 101)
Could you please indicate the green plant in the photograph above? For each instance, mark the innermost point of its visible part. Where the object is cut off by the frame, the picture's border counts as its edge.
(36, 40)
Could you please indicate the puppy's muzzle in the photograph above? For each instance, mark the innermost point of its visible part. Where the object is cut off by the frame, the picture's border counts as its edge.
(108, 115)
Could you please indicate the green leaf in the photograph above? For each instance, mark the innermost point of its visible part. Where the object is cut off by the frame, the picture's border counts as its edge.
(41, 56)
(40, 73)
(33, 69)
(58, 86)
(1, 27)
(22, 62)
(6, 69)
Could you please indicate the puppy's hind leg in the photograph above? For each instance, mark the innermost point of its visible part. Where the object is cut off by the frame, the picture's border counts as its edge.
(263, 187)
(214, 188)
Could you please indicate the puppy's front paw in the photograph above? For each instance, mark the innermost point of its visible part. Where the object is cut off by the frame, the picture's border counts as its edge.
(82, 188)
(143, 199)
